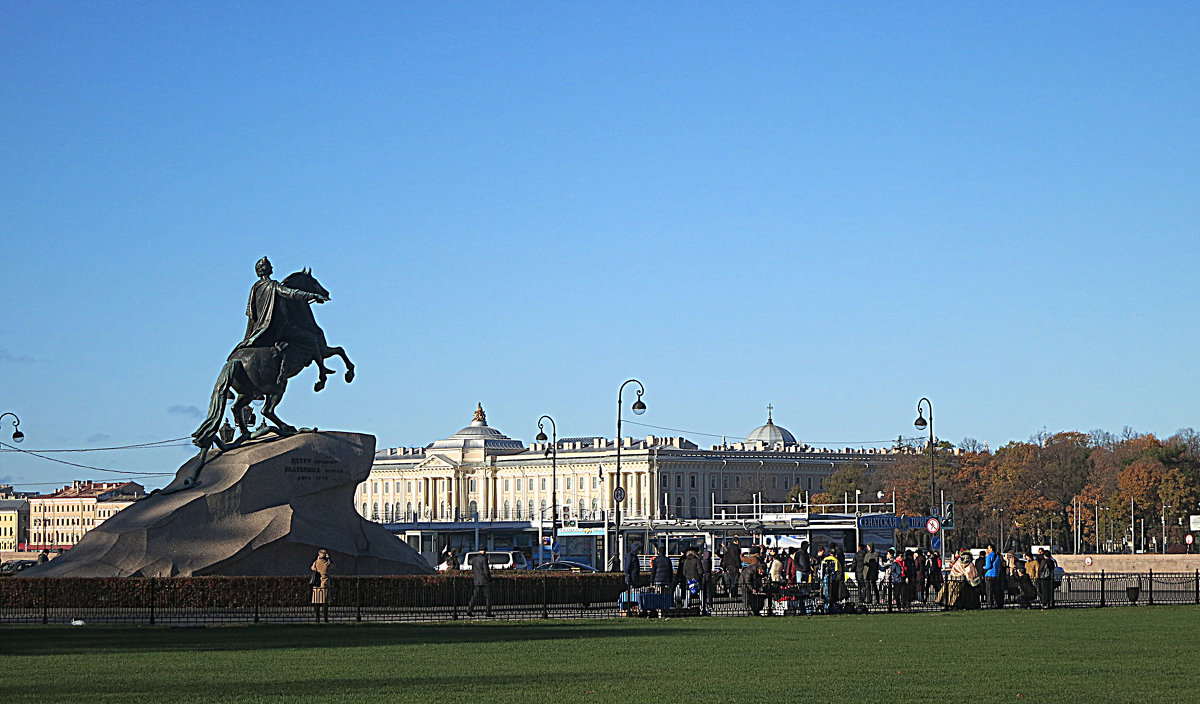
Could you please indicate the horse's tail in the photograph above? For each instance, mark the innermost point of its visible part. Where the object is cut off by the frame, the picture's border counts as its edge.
(216, 406)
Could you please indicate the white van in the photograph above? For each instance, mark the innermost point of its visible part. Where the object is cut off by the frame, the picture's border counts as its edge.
(500, 560)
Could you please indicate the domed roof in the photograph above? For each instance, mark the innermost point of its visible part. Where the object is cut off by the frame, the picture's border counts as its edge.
(479, 435)
(770, 433)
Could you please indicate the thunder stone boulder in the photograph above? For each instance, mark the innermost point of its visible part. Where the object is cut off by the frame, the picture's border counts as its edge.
(261, 509)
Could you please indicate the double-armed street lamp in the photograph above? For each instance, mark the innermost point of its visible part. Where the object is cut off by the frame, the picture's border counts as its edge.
(552, 453)
(618, 491)
(17, 435)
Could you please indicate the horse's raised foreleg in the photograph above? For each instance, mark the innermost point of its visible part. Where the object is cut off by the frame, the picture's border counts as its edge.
(331, 351)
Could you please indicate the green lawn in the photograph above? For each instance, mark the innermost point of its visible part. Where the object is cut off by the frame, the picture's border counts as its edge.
(1091, 655)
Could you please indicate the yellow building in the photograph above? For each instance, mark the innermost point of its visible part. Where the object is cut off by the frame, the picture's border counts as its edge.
(14, 523)
(60, 519)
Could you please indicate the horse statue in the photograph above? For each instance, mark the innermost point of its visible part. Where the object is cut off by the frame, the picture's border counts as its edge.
(262, 372)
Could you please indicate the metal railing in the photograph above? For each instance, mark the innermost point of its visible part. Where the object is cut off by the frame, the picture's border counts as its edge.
(521, 596)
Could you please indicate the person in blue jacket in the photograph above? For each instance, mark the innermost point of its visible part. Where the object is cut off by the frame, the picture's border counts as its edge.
(993, 568)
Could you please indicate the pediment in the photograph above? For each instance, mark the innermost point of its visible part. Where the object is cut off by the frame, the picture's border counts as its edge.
(437, 462)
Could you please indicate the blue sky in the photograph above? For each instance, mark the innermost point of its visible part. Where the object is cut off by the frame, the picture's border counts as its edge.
(836, 210)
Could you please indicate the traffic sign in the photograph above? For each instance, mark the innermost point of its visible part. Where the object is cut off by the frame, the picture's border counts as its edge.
(935, 543)
(1188, 539)
(619, 494)
(933, 525)
(935, 511)
(1087, 561)
(948, 516)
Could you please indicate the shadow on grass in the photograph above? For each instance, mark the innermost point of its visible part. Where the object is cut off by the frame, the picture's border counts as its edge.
(41, 641)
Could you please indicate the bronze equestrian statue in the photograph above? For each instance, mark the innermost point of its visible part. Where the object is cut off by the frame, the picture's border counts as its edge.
(282, 338)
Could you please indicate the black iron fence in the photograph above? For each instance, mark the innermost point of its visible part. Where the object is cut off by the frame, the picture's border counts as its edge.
(523, 596)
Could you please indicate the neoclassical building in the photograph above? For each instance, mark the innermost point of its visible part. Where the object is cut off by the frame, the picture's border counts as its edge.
(479, 473)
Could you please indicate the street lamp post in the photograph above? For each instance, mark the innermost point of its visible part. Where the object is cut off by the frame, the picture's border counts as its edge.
(1164, 527)
(618, 492)
(552, 452)
(17, 435)
(920, 424)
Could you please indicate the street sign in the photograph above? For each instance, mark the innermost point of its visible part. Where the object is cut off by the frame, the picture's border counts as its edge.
(619, 494)
(935, 511)
(554, 548)
(1188, 539)
(1087, 561)
(933, 525)
(935, 543)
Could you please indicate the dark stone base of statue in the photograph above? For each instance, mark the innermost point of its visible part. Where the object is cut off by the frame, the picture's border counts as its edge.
(264, 508)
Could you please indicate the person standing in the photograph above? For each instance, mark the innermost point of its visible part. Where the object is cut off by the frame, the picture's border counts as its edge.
(1027, 580)
(731, 567)
(706, 580)
(660, 571)
(320, 587)
(803, 564)
(933, 575)
(481, 574)
(871, 561)
(633, 567)
(1045, 578)
(896, 580)
(688, 577)
(860, 573)
(991, 577)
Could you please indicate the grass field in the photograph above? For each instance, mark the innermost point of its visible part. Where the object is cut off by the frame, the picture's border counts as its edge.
(1091, 655)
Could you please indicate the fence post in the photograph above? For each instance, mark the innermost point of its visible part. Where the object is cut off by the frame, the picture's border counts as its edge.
(152, 580)
(545, 599)
(453, 584)
(1150, 585)
(1198, 587)
(257, 589)
(358, 598)
(45, 600)
(887, 594)
(1102, 589)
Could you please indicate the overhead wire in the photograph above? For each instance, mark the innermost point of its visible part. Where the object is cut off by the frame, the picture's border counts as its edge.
(85, 466)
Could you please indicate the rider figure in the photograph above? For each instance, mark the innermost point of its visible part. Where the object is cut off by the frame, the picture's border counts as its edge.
(267, 322)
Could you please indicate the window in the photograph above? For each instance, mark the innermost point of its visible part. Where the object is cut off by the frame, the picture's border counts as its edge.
(531, 516)
(518, 516)
(374, 487)
(568, 483)
(375, 512)
(408, 487)
(774, 482)
(364, 511)
(737, 480)
(593, 482)
(387, 487)
(472, 483)
(387, 511)
(692, 507)
(408, 512)
(595, 507)
(507, 508)
(693, 479)
(666, 480)
(678, 506)
(678, 481)
(543, 507)
(543, 486)
(506, 485)
(724, 482)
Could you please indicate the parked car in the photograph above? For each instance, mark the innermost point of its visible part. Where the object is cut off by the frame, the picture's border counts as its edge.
(500, 560)
(566, 566)
(12, 567)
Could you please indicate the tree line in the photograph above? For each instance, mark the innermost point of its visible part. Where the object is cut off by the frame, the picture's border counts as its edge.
(1054, 489)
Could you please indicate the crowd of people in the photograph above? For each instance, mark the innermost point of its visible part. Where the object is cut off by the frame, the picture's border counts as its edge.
(762, 576)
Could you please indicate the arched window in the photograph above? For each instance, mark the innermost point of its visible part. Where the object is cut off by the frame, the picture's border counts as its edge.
(543, 513)
(507, 509)
(595, 507)
(375, 511)
(678, 506)
(408, 514)
(387, 511)
(364, 511)
(580, 515)
(473, 508)
(518, 516)
(692, 507)
(531, 516)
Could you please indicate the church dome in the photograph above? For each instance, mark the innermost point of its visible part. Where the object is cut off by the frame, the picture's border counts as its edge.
(479, 435)
(770, 433)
